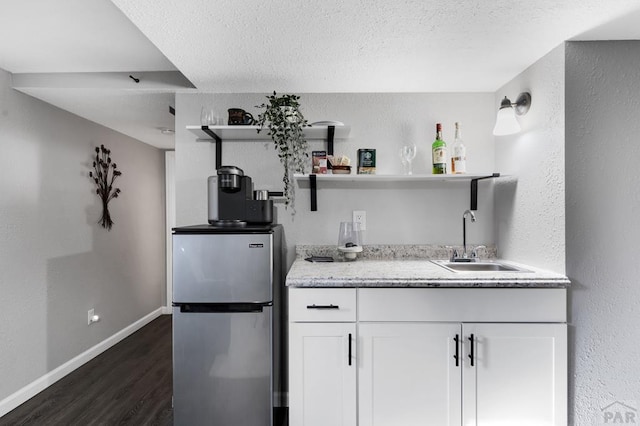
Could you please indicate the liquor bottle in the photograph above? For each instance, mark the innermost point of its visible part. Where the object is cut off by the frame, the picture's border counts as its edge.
(459, 155)
(439, 153)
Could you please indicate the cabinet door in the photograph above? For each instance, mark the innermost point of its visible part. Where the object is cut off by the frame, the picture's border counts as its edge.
(518, 376)
(322, 374)
(408, 374)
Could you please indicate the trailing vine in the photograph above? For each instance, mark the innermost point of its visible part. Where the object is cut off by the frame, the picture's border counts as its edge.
(285, 123)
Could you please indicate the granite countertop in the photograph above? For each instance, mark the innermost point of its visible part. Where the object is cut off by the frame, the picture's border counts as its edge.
(407, 266)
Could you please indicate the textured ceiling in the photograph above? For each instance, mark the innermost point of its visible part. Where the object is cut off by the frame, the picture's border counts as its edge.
(362, 45)
(51, 37)
(284, 45)
(73, 36)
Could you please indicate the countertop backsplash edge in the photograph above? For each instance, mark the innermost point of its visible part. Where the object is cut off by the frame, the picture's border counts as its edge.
(394, 251)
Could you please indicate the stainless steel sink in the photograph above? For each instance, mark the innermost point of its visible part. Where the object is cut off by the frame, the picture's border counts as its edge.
(485, 266)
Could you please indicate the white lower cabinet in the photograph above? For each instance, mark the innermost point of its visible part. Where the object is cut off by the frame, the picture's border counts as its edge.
(322, 357)
(518, 377)
(417, 366)
(322, 377)
(408, 374)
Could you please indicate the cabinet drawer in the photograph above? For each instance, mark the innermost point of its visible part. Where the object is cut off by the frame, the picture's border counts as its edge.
(322, 304)
(463, 305)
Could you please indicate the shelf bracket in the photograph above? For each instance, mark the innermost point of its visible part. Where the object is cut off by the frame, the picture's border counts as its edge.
(313, 184)
(331, 132)
(313, 191)
(474, 190)
(218, 145)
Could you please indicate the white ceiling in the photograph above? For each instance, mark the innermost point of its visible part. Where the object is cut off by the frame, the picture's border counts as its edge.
(285, 45)
(88, 36)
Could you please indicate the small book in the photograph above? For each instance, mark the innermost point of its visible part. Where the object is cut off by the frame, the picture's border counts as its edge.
(319, 162)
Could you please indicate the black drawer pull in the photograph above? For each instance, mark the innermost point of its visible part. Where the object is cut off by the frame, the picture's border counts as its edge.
(349, 348)
(472, 354)
(314, 306)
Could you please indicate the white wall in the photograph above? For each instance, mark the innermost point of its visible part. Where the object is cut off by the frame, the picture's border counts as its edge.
(529, 208)
(602, 209)
(396, 213)
(55, 261)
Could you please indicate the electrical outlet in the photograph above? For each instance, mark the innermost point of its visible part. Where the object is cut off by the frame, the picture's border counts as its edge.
(90, 315)
(360, 216)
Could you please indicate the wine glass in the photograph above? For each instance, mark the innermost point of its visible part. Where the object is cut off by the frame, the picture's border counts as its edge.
(206, 116)
(407, 154)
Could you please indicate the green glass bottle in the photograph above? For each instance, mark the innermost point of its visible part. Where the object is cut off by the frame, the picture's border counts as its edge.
(439, 153)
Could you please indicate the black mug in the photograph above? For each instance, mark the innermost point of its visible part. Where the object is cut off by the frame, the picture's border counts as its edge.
(239, 117)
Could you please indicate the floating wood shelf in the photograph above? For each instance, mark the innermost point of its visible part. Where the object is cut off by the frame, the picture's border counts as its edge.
(393, 178)
(218, 134)
(312, 181)
(250, 133)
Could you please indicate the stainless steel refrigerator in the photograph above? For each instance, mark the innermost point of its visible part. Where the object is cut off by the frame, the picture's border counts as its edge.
(227, 350)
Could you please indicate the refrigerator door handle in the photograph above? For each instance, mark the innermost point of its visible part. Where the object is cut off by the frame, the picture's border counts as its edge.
(198, 308)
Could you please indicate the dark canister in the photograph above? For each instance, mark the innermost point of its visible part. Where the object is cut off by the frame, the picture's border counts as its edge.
(239, 117)
(366, 161)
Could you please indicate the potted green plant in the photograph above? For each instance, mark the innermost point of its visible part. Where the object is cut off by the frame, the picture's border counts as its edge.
(285, 123)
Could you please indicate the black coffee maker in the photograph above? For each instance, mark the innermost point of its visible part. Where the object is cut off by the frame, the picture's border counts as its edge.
(232, 201)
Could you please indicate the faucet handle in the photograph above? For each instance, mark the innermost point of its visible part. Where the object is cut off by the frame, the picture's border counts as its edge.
(474, 251)
(454, 255)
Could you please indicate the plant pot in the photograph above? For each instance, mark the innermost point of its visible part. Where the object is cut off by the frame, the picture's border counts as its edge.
(290, 113)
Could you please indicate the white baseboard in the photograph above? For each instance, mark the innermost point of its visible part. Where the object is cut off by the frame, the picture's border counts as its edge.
(40, 384)
(167, 310)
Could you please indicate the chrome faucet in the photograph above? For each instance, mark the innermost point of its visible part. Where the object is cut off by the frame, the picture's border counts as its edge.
(472, 255)
(472, 216)
(466, 256)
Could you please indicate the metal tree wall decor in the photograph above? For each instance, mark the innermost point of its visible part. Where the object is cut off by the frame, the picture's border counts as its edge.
(103, 175)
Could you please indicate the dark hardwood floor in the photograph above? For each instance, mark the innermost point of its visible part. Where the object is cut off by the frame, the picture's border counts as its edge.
(129, 384)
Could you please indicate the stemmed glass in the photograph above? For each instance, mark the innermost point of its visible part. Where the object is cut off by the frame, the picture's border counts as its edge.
(407, 154)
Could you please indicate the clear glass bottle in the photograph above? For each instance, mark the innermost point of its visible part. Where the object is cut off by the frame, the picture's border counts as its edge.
(439, 153)
(459, 154)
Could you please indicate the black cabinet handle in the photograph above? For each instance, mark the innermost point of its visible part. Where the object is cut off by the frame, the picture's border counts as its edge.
(471, 353)
(349, 348)
(457, 355)
(314, 306)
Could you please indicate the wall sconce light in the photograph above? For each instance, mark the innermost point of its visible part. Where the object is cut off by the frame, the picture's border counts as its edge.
(506, 123)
